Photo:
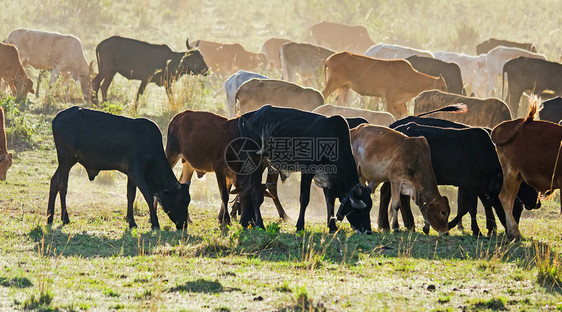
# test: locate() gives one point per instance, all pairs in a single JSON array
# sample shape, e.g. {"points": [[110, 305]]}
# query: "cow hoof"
{"points": [[396, 230], [426, 230], [156, 227], [132, 225]]}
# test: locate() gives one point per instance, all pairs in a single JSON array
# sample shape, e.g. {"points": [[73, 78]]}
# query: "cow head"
{"points": [[356, 207], [440, 84], [436, 213], [85, 78], [175, 202], [5, 163], [23, 86], [193, 63]]}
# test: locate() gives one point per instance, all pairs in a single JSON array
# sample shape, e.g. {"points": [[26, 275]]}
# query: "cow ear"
{"points": [[187, 44]]}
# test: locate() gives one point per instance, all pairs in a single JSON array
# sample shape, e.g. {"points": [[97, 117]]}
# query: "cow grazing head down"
{"points": [[440, 84], [23, 86], [356, 207], [5, 163], [175, 202], [436, 213]]}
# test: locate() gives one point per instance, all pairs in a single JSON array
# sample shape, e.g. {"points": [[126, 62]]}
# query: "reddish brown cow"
{"points": [[200, 140], [228, 57], [396, 80], [5, 157], [529, 152], [11, 71]]}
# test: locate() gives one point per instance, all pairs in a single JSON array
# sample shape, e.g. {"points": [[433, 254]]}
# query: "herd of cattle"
{"points": [[453, 139]]}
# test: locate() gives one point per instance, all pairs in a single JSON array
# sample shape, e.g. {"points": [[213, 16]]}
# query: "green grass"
{"points": [[97, 264]]}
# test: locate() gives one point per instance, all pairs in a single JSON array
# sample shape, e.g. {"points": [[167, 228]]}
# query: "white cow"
{"points": [[60, 53], [498, 56], [232, 84], [390, 51], [473, 69]]}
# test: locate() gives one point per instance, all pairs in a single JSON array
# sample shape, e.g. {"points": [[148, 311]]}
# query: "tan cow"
{"points": [[373, 117], [11, 71], [480, 112], [226, 58], [60, 53], [255, 93], [341, 37], [270, 49], [5, 157], [383, 154], [396, 80], [305, 59]]}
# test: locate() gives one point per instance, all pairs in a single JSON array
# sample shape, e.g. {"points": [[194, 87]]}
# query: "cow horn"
{"points": [[187, 44], [357, 204], [371, 185]]}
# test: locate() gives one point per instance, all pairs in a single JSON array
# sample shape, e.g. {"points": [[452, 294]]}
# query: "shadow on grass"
{"points": [[308, 249], [200, 286], [15, 282]]}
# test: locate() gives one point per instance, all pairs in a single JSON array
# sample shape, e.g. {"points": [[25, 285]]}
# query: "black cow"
{"points": [[463, 157], [101, 141], [143, 61], [551, 110], [489, 44], [434, 67], [531, 75], [319, 147]]}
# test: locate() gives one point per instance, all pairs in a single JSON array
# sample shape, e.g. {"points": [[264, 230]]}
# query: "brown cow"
{"points": [[200, 140], [255, 93], [529, 152], [341, 37], [305, 59], [373, 117], [5, 157], [270, 50], [396, 80], [383, 154], [480, 112], [228, 57], [11, 71]]}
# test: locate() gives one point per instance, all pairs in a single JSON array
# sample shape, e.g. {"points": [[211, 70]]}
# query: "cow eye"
{"points": [[444, 213]]}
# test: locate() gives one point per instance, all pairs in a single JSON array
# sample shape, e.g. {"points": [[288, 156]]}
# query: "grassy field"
{"points": [[97, 264]]}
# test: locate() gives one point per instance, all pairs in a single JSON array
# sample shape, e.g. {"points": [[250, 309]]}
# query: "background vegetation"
{"points": [[96, 263]]}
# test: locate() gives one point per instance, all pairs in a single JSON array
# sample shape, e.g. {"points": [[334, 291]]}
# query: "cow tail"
{"points": [[453, 108], [533, 111]]}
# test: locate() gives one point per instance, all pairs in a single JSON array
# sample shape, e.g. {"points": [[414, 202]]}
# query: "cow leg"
{"points": [[224, 218], [139, 93], [395, 204], [54, 73], [406, 211], [511, 184], [59, 184], [306, 181], [39, 77], [470, 201], [96, 86], [330, 201], [149, 197], [271, 185], [384, 201], [257, 200], [490, 218], [396, 107], [131, 193]]}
